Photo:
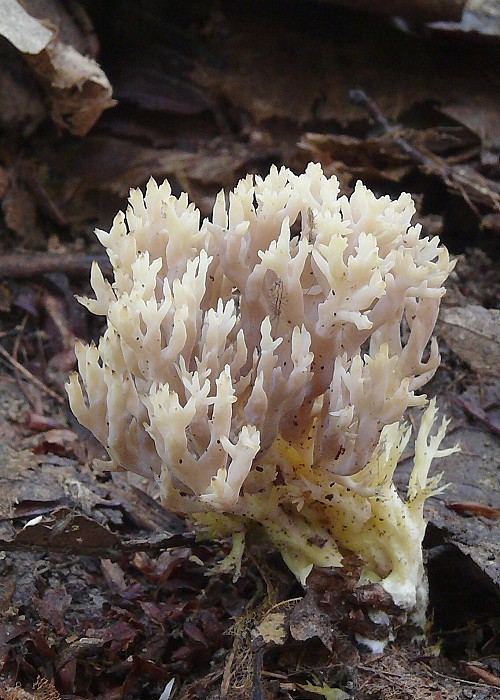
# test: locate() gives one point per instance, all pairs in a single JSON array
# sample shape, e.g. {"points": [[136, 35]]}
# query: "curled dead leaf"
{"points": [[77, 88]]}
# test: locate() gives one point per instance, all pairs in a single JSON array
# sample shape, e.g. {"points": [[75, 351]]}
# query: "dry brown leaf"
{"points": [[19, 211], [479, 114], [473, 333], [272, 628], [77, 88]]}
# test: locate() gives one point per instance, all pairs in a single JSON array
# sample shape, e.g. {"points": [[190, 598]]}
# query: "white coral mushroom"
{"points": [[254, 364]]}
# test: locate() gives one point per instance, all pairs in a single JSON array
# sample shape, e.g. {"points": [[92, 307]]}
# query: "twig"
{"points": [[41, 196], [383, 672], [20, 331], [478, 413], [27, 374], [469, 508], [257, 687], [457, 680], [28, 265], [35, 404], [473, 187], [481, 674], [15, 351], [228, 667], [151, 545]]}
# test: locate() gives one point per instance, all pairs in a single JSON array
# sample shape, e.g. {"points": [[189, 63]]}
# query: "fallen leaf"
{"points": [[350, 158], [479, 114], [118, 634], [19, 210], [22, 30], [470, 508], [194, 633], [325, 691], [113, 575], [76, 87], [473, 333], [52, 607], [61, 442], [272, 628], [481, 674], [66, 531]]}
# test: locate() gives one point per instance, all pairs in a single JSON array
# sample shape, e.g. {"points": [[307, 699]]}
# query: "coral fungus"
{"points": [[253, 365]]}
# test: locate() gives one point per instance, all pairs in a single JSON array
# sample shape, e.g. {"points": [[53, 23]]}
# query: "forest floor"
{"points": [[103, 594]]}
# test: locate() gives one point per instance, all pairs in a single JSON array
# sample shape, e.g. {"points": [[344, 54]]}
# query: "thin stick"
{"points": [[27, 265], [478, 413], [15, 352], [27, 374]]}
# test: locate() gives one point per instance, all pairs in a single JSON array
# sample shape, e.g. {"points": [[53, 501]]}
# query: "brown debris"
{"points": [[473, 333], [473, 187], [28, 375], [415, 10], [32, 265], [57, 534], [336, 608], [471, 508], [476, 672], [473, 408], [77, 89], [42, 690], [19, 208]]}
